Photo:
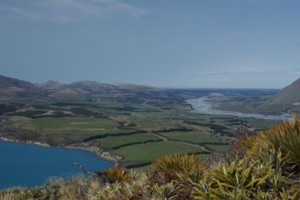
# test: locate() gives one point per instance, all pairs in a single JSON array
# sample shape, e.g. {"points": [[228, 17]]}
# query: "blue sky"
{"points": [[163, 43]]}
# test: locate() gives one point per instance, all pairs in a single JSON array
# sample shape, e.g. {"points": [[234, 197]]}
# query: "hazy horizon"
{"points": [[165, 44], [116, 83]]}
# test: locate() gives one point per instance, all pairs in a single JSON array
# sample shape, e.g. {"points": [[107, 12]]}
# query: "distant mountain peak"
{"points": [[51, 85], [133, 86]]}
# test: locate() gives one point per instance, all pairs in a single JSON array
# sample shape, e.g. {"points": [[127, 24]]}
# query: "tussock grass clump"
{"points": [[117, 175], [78, 187], [175, 167], [138, 188], [180, 170], [242, 146], [19, 193], [247, 179], [284, 137]]}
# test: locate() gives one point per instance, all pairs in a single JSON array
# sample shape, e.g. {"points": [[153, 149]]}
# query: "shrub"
{"points": [[21, 194], [284, 137], [180, 170], [242, 146], [117, 175], [176, 167]]}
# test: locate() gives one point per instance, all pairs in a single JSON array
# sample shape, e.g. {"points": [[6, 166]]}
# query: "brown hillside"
{"points": [[11, 87], [287, 99]]}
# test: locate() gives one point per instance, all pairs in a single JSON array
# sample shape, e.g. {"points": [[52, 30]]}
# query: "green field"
{"points": [[75, 125], [76, 122], [221, 148], [113, 142], [195, 137], [145, 123], [151, 151]]}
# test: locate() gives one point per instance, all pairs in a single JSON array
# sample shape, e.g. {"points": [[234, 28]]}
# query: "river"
{"points": [[203, 106], [30, 165]]}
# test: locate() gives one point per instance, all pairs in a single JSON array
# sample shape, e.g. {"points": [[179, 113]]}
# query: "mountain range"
{"points": [[14, 88], [286, 100]]}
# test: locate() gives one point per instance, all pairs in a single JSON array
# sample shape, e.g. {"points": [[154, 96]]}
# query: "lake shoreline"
{"points": [[80, 146]]}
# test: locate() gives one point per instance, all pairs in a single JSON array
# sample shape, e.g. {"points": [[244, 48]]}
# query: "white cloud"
{"points": [[10, 10], [68, 10]]}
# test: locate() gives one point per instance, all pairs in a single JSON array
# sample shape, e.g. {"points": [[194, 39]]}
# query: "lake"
{"points": [[30, 165]]}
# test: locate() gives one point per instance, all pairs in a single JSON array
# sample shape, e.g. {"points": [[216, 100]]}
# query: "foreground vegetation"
{"points": [[263, 166]]}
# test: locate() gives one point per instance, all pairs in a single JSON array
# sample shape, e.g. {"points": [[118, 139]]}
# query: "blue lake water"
{"points": [[30, 165]]}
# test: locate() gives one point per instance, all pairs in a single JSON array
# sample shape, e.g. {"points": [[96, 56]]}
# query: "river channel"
{"points": [[203, 106]]}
